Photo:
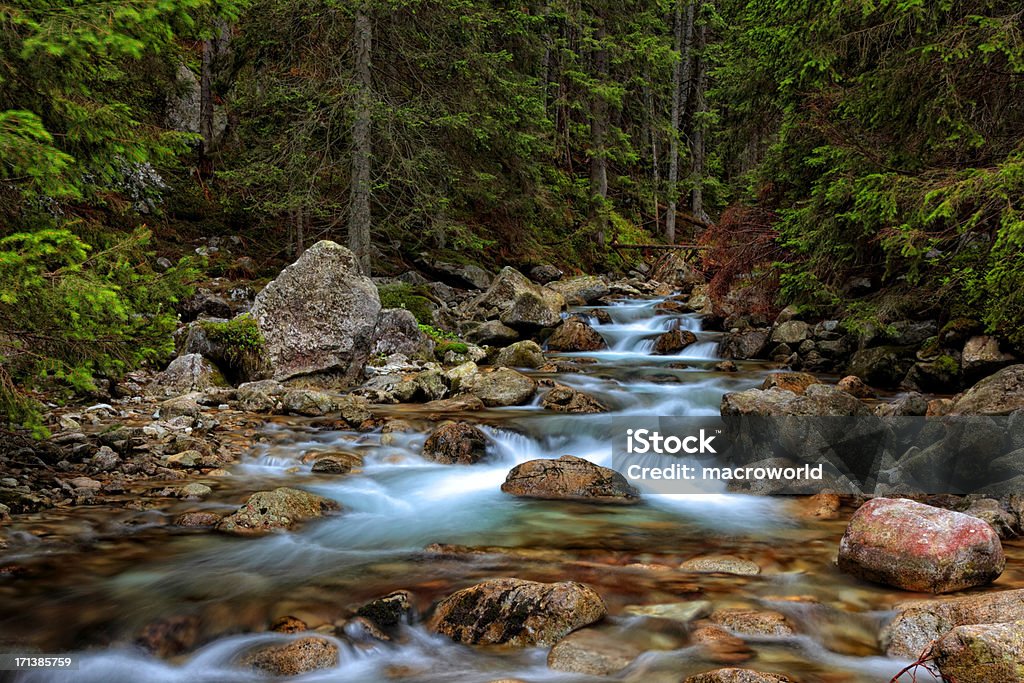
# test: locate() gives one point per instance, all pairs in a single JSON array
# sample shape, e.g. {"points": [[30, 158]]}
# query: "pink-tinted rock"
{"points": [[919, 547]]}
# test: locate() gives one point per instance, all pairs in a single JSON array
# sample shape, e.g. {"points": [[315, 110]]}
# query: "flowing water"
{"points": [[103, 575]]}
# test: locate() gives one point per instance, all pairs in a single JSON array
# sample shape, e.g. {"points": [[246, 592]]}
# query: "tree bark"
{"points": [[359, 203], [598, 135], [683, 36]]}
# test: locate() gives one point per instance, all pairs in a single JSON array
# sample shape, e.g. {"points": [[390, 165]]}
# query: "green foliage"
{"points": [[77, 144], [412, 299], [438, 335], [444, 346], [889, 138], [69, 312]]}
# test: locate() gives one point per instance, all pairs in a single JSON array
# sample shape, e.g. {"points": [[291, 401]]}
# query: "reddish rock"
{"points": [[855, 386], [575, 335], [672, 342], [569, 478], [919, 547]]}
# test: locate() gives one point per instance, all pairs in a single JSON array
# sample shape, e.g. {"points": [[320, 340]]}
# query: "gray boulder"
{"points": [[503, 387], [519, 303], [398, 332], [998, 394], [318, 315], [584, 289], [189, 373]]}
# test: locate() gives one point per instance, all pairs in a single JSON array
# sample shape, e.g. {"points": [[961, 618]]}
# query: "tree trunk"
{"points": [[359, 204], [652, 134], [683, 36], [206, 105], [598, 135], [700, 102]]}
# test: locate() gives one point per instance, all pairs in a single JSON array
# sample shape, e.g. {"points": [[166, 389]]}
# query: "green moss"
{"points": [[947, 364], [445, 346], [238, 343], [412, 299]]}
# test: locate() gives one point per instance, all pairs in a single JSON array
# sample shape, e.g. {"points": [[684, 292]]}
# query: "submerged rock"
{"points": [[455, 443], [569, 478], [919, 547], [753, 622], [593, 652], [297, 657], [336, 463], [737, 676], [721, 564], [318, 315], [277, 510], [516, 612]]}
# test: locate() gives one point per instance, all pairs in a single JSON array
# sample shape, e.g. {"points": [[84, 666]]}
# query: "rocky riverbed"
{"points": [[359, 498]]}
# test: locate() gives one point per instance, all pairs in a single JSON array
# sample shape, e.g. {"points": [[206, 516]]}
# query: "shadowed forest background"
{"points": [[863, 158]]}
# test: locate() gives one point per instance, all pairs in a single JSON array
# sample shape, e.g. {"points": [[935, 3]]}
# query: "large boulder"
{"points": [[569, 478], [743, 344], [919, 622], [297, 657], [398, 332], [982, 653], [189, 373], [455, 443], [817, 399], [576, 335], [919, 547], [503, 387], [318, 315], [791, 332], [519, 303], [998, 394], [516, 612], [277, 510], [581, 290]]}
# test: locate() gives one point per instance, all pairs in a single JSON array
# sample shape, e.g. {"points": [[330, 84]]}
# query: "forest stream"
{"points": [[100, 577]]}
